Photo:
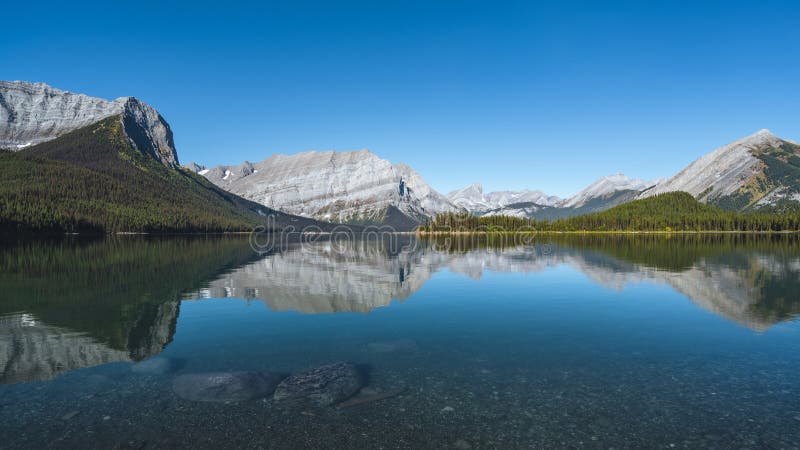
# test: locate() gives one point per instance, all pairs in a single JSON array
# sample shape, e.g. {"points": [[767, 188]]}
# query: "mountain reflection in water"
{"points": [[753, 281], [72, 303]]}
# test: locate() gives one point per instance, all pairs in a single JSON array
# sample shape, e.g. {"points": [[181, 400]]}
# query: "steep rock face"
{"points": [[148, 131], [354, 186], [755, 171], [32, 113]]}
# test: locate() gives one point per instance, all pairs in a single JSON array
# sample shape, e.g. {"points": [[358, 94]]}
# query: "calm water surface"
{"points": [[606, 342]]}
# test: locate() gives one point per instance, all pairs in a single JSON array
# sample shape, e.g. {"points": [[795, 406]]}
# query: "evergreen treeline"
{"points": [[662, 251], [93, 180], [673, 211]]}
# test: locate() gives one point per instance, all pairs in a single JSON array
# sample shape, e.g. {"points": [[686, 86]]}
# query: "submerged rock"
{"points": [[323, 386], [225, 386], [157, 366]]}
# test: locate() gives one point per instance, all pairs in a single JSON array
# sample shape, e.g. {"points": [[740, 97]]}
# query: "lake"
{"points": [[463, 342]]}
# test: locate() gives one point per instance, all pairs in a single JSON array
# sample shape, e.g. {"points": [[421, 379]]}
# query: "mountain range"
{"points": [[760, 172], [606, 192], [74, 162]]}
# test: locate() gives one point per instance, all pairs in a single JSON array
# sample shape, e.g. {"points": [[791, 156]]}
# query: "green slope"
{"points": [[92, 180], [675, 211]]}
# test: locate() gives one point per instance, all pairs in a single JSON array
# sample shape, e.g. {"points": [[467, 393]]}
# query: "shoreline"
{"points": [[402, 233], [466, 233]]}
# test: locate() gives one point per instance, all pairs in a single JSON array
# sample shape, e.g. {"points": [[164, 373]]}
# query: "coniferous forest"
{"points": [[674, 211]]}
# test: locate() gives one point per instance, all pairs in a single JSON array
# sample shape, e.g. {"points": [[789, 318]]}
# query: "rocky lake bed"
{"points": [[483, 402]]}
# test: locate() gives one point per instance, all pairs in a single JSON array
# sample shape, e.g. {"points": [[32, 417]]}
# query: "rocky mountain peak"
{"points": [[727, 172], [606, 185], [763, 132], [476, 187], [759, 139], [194, 167], [31, 113], [148, 131]]}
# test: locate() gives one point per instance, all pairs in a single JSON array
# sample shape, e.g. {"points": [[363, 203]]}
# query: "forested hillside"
{"points": [[93, 180]]}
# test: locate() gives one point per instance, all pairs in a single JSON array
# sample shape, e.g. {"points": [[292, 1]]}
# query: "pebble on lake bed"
{"points": [[323, 385], [225, 386]]}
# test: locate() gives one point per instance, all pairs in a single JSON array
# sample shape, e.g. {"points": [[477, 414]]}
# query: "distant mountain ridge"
{"points": [[755, 173], [604, 193], [472, 198]]}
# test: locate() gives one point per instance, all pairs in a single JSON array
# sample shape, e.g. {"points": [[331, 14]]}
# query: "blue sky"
{"points": [[540, 95]]}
